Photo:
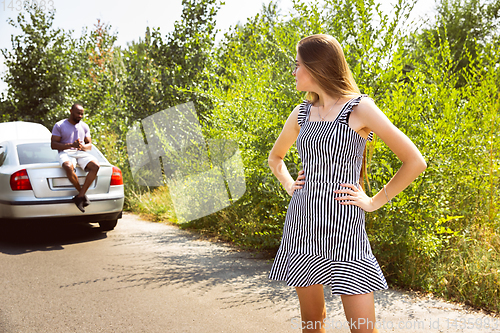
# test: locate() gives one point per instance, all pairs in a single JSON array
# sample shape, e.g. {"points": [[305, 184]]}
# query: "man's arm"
{"points": [[87, 145], [55, 143]]}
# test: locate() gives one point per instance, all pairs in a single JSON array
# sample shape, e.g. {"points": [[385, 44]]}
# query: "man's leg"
{"points": [[70, 173], [67, 165], [92, 168]]}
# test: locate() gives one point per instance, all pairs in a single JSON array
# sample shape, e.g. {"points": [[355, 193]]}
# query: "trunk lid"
{"points": [[50, 181]]}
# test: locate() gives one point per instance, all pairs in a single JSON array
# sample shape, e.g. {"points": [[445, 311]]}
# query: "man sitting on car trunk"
{"points": [[71, 137]]}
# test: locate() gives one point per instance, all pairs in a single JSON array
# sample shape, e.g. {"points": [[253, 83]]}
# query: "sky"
{"points": [[131, 17]]}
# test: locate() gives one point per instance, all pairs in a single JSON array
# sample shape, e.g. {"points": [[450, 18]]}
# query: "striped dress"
{"points": [[323, 241]]}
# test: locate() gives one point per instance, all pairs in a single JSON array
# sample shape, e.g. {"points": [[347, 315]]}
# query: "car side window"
{"points": [[3, 155]]}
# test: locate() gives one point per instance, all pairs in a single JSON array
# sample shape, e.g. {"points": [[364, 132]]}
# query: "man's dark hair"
{"points": [[73, 107]]}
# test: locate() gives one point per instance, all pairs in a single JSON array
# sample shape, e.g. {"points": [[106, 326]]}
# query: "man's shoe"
{"points": [[86, 202], [79, 202]]}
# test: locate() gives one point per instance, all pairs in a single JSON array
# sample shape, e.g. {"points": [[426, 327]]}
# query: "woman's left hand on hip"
{"points": [[356, 196]]}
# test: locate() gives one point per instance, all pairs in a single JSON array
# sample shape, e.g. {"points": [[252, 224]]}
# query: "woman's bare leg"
{"points": [[360, 312], [312, 308]]}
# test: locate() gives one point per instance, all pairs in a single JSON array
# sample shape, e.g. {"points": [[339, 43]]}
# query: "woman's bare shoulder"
{"points": [[367, 106], [294, 114]]}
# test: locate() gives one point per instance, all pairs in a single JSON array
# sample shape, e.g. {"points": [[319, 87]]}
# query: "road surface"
{"points": [[153, 277]]}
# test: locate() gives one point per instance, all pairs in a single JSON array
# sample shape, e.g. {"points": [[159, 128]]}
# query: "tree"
{"points": [[38, 69], [142, 86], [99, 72], [467, 25], [185, 56]]}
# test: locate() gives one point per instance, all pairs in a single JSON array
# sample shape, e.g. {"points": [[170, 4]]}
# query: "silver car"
{"points": [[34, 186]]}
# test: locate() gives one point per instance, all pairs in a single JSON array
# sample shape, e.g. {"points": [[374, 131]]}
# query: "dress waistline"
{"points": [[323, 182]]}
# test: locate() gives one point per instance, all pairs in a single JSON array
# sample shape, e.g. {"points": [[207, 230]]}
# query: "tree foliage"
{"points": [[468, 26], [38, 68]]}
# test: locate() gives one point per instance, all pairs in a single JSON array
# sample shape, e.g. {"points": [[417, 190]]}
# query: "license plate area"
{"points": [[63, 183]]}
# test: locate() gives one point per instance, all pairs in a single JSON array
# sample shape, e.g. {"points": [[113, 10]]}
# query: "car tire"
{"points": [[108, 225]]}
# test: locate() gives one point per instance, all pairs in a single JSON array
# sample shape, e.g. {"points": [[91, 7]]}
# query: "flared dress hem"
{"points": [[344, 277]]}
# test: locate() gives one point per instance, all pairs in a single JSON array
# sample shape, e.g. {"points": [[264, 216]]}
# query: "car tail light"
{"points": [[116, 177], [20, 181]]}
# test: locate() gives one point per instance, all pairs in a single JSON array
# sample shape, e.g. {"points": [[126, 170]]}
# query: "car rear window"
{"points": [[41, 152]]}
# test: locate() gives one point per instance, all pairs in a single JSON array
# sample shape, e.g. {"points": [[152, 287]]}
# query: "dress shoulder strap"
{"points": [[344, 117], [353, 102], [302, 116]]}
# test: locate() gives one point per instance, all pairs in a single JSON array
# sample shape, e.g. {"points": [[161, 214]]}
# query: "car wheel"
{"points": [[108, 225]]}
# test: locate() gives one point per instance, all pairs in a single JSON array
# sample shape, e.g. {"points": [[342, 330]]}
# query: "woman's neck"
{"points": [[326, 101]]}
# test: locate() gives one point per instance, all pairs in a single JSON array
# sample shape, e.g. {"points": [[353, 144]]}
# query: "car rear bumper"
{"points": [[65, 219], [108, 208]]}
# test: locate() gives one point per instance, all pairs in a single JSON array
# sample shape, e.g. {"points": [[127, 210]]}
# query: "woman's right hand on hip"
{"points": [[297, 184]]}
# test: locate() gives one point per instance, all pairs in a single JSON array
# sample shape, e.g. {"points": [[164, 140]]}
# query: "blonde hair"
{"points": [[324, 59]]}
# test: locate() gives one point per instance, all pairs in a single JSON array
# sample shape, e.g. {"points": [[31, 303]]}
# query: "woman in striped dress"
{"points": [[324, 239]]}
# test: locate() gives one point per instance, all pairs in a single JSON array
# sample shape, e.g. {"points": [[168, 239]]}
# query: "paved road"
{"points": [[151, 277]]}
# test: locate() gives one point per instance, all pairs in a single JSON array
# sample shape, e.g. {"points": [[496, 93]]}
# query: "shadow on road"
{"points": [[20, 238], [184, 261]]}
